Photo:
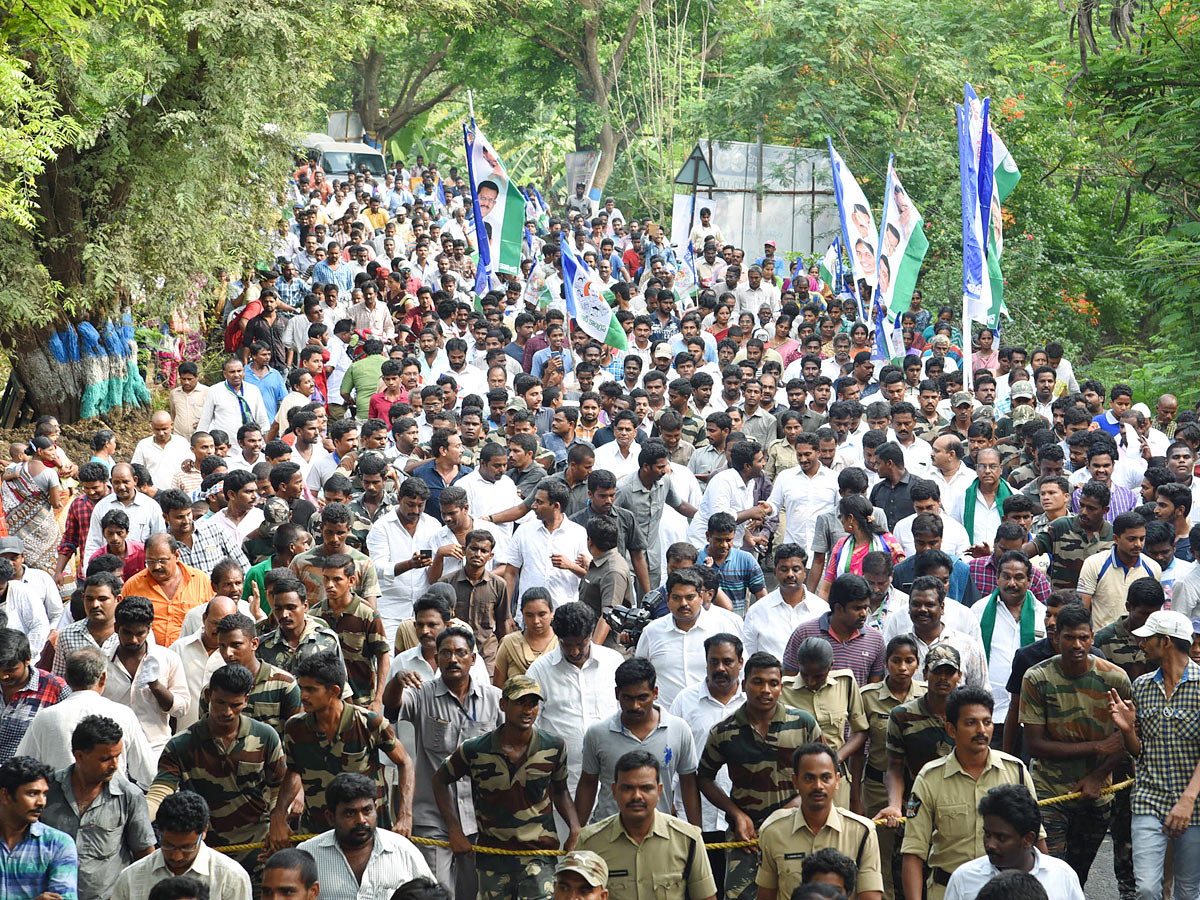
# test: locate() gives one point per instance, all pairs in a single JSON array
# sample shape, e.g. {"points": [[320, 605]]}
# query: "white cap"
{"points": [[1167, 623]]}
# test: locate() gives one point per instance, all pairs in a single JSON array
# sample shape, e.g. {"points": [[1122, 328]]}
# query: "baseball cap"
{"points": [[521, 686], [590, 865], [517, 403], [1023, 414], [663, 351], [1167, 623], [1022, 390], [1195, 626], [943, 655], [770, 244], [11, 545], [984, 413], [960, 398], [275, 512]]}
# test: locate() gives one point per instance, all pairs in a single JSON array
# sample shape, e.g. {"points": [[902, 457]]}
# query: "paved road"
{"points": [[1102, 884]]}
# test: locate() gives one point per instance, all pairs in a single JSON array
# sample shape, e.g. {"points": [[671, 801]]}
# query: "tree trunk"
{"points": [[51, 388], [609, 146], [366, 91]]}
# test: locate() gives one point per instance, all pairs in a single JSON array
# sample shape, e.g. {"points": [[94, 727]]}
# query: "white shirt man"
{"points": [[389, 543], [132, 691], [42, 588], [1006, 641], [678, 656], [575, 698], [954, 536], [530, 550], [1058, 878], [955, 616], [229, 410], [224, 878], [918, 457], [609, 456], [27, 615], [48, 738], [163, 461], [953, 485], [727, 492], [771, 621], [487, 497], [803, 499], [696, 705]]}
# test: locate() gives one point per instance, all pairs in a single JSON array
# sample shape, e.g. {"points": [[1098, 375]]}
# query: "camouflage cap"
{"points": [[521, 686], [275, 512], [1022, 390], [943, 655], [960, 398], [984, 413], [1024, 414], [517, 403], [590, 865]]}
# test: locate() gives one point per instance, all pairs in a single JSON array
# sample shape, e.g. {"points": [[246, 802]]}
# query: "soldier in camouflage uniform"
{"points": [[1064, 701], [298, 634], [372, 499], [518, 777], [230, 760], [359, 629], [337, 524], [331, 737], [1072, 539], [756, 744], [1121, 647], [274, 697]]}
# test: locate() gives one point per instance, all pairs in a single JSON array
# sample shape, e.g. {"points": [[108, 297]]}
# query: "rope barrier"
{"points": [[719, 845]]}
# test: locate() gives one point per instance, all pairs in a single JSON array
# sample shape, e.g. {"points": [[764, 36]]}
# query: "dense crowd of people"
{"points": [[423, 563]]}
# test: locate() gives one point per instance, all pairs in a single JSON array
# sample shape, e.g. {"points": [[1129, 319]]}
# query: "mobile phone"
{"points": [[425, 554]]}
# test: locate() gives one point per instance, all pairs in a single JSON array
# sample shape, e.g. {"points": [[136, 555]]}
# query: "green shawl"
{"points": [[987, 622], [1003, 492]]}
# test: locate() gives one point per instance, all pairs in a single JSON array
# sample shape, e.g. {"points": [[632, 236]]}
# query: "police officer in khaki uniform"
{"points": [[791, 834], [943, 829], [581, 875], [650, 855], [833, 699]]}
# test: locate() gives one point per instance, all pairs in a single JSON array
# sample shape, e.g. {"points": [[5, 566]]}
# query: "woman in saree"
{"points": [[31, 496]]}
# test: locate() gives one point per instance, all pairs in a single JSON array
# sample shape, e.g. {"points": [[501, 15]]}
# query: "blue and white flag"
{"points": [[858, 225], [585, 300]]}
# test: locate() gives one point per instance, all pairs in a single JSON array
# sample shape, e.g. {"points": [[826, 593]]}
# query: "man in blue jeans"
{"points": [[1161, 727]]}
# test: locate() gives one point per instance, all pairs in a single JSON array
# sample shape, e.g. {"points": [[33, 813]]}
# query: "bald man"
{"points": [[164, 452], [145, 516], [195, 649]]}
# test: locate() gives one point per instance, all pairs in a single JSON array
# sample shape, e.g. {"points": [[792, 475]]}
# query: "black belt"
{"points": [[940, 876], [869, 771]]}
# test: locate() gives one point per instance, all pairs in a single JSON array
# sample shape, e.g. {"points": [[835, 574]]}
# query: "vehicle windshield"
{"points": [[349, 162]]}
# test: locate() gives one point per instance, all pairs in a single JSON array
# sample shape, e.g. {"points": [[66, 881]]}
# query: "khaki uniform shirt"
{"points": [[944, 827], [669, 864], [785, 839], [838, 709]]}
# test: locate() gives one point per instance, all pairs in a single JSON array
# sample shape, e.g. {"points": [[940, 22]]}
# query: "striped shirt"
{"points": [[45, 861], [862, 654], [394, 861], [740, 572]]}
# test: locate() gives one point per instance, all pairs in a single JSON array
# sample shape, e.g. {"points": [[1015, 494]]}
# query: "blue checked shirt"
{"points": [[45, 861], [1169, 729]]}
